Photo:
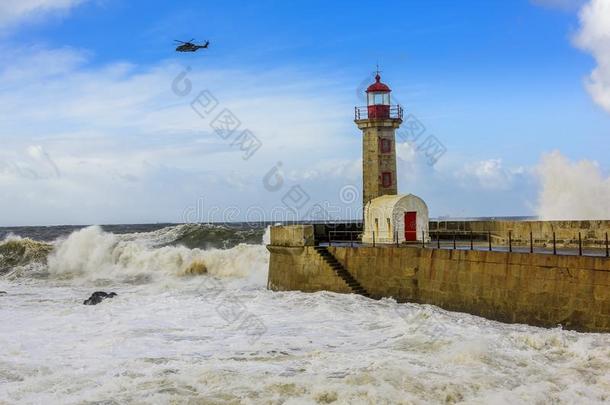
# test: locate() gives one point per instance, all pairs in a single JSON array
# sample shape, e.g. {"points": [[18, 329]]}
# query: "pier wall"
{"points": [[536, 289]]}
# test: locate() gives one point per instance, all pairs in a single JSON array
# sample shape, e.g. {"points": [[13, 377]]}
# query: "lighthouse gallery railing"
{"points": [[362, 113]]}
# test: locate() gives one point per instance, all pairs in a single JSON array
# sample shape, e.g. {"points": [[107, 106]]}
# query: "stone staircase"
{"points": [[341, 271]]}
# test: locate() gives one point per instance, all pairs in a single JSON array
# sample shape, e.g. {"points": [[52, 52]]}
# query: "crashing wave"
{"points": [[215, 236], [18, 252], [90, 254], [202, 236]]}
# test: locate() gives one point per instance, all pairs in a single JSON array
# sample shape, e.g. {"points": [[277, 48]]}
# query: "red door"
{"points": [[411, 226]]}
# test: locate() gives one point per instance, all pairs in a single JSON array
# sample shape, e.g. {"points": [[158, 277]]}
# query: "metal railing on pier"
{"points": [[353, 238], [574, 244]]}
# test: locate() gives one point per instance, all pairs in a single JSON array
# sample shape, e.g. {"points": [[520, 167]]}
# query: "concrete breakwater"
{"points": [[537, 289]]}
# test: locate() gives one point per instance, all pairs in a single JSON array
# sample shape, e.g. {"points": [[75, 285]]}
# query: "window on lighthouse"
{"points": [[386, 179], [379, 98], [386, 146]]}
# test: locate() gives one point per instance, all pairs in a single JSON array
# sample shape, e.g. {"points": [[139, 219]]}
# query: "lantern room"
{"points": [[378, 99]]}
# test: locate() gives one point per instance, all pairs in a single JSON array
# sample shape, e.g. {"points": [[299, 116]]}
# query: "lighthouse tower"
{"points": [[388, 217], [378, 122]]}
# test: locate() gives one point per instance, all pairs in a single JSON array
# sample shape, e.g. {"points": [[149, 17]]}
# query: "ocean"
{"points": [[194, 323]]}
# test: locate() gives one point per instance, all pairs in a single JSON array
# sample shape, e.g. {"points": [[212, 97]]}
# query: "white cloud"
{"points": [[406, 152], [347, 169], [34, 163], [490, 174], [594, 37], [23, 65], [572, 190], [13, 11]]}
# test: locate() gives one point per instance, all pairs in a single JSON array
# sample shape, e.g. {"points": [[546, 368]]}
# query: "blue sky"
{"points": [[92, 132]]}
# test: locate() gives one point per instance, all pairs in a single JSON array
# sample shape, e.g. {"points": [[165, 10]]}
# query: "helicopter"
{"points": [[189, 46]]}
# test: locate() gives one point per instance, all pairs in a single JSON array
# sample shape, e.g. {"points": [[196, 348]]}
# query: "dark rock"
{"points": [[98, 297], [3, 292]]}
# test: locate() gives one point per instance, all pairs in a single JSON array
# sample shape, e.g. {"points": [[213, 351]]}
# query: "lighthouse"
{"points": [[378, 122], [388, 216]]}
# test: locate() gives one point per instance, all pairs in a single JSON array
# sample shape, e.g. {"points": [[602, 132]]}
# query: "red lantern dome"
{"points": [[378, 86]]}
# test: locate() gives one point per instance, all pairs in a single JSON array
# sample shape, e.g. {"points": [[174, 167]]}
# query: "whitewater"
{"points": [[176, 333]]}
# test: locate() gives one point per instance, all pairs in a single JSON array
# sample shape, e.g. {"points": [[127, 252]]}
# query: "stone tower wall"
{"points": [[374, 162]]}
